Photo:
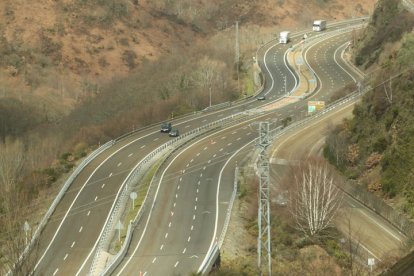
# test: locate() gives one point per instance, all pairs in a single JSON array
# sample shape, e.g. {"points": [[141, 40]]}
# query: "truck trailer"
{"points": [[319, 25], [284, 37]]}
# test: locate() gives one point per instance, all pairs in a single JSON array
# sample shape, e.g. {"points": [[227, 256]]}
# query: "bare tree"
{"points": [[316, 197]]}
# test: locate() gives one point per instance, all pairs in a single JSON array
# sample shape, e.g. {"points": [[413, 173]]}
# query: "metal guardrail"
{"points": [[60, 195]]}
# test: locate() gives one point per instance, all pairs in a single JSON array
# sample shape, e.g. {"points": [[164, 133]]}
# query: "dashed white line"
{"points": [[169, 224], [234, 132], [181, 179], [191, 161], [199, 182], [195, 207], [153, 261], [205, 148], [73, 244], [214, 155], [96, 198], [174, 204], [89, 212], [224, 137], [66, 256], [56, 271], [103, 185], [80, 229], [229, 144], [110, 174], [197, 190], [129, 155], [119, 164], [156, 139], [178, 187], [189, 238], [192, 227], [193, 217], [204, 168], [221, 149], [187, 126], [176, 264], [166, 235], [238, 139], [162, 246], [142, 147], [198, 154], [176, 195], [209, 161], [201, 174], [184, 250], [196, 199]]}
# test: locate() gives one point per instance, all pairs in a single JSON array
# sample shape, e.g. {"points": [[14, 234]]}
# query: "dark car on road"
{"points": [[166, 127], [174, 133]]}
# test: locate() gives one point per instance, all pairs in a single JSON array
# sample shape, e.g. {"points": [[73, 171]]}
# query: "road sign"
{"points": [[315, 106], [133, 196]]}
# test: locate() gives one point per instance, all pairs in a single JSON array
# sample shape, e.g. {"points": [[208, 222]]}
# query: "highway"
{"points": [[69, 239], [194, 195]]}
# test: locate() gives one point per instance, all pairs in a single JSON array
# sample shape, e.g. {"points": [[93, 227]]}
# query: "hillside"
{"points": [[376, 147]]}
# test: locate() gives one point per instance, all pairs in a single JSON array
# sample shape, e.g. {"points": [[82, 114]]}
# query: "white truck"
{"points": [[319, 25], [284, 37]]}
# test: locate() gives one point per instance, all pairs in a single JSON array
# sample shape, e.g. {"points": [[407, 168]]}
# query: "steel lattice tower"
{"points": [[264, 251]]}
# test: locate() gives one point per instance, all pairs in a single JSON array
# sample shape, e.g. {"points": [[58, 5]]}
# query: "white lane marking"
{"points": [[205, 148], [153, 261], [192, 227], [185, 249], [145, 273], [166, 235], [197, 190], [103, 185], [221, 149], [195, 207], [119, 164], [176, 264], [204, 168], [224, 137], [201, 174], [80, 229], [172, 213], [73, 244], [156, 139], [176, 195], [89, 212], [189, 238], [96, 198], [196, 199], [198, 154], [181, 179], [129, 155], [199, 182], [178, 187], [183, 171], [187, 126], [56, 271], [110, 174], [162, 246], [238, 139], [66, 256], [248, 133], [209, 161], [205, 120], [214, 155], [188, 165], [169, 224], [234, 132], [174, 204], [142, 147], [229, 144], [193, 217], [191, 161]]}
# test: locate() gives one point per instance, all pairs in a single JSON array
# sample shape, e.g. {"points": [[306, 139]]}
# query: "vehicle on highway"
{"points": [[174, 133], [261, 98], [284, 37], [319, 25], [166, 127]]}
